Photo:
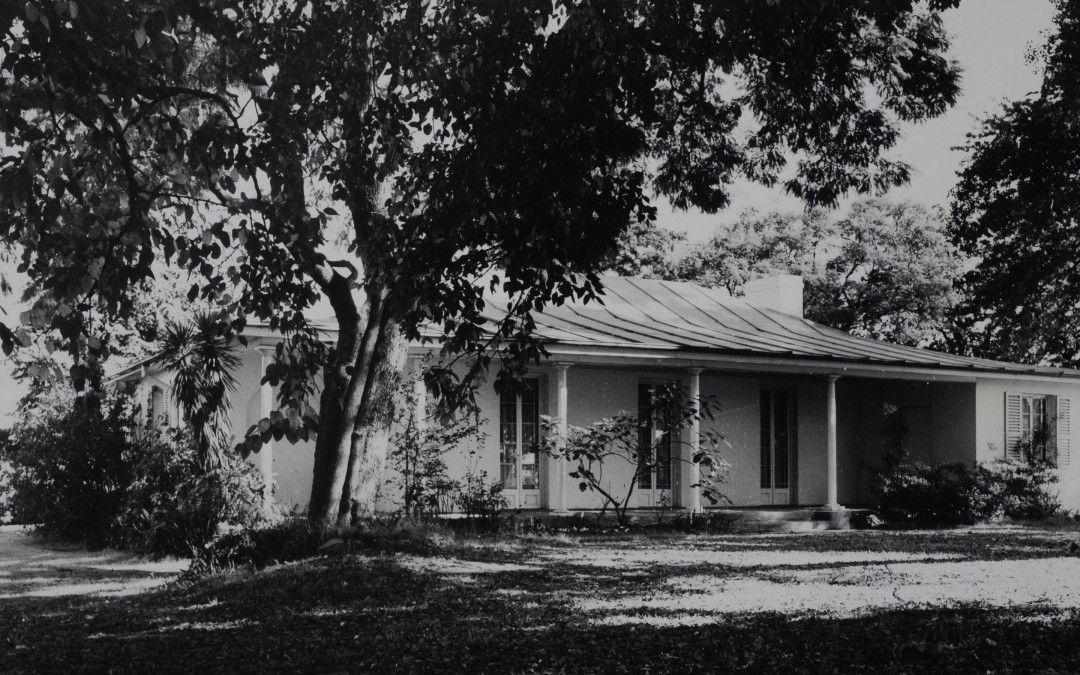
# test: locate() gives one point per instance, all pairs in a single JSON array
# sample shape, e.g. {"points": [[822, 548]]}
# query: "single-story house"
{"points": [[799, 403]]}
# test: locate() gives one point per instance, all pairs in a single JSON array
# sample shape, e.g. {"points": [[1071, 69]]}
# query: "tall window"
{"points": [[519, 436], [1034, 426], [654, 441], [156, 414], [775, 439]]}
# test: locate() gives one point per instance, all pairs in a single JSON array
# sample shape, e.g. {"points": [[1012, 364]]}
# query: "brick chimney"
{"points": [[780, 292]]}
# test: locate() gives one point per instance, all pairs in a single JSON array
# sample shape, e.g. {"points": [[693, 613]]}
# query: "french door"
{"points": [[654, 451], [777, 446], [519, 436]]}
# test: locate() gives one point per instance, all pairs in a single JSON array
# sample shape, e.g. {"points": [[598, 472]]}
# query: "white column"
{"points": [[695, 440], [420, 399], [266, 453], [561, 399], [830, 442]]}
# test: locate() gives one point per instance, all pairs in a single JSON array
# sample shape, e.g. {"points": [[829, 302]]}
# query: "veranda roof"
{"points": [[646, 316], [649, 314]]}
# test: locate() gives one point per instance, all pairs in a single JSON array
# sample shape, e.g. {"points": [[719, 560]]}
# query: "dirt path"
{"points": [[32, 567]]}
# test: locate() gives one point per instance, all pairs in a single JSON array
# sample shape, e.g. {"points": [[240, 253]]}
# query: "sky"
{"points": [[990, 39]]}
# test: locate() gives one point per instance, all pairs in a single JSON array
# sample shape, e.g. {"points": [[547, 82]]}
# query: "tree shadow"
{"points": [[518, 611]]}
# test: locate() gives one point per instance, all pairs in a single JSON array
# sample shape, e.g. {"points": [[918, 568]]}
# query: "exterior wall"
{"points": [[739, 421], [965, 424], [949, 419], [990, 427], [597, 392]]}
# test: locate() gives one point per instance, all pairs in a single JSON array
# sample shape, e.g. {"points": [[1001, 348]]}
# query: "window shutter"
{"points": [[166, 403], [1064, 431], [1012, 426]]}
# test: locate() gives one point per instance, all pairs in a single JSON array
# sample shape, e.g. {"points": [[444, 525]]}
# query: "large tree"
{"points": [[884, 270], [454, 141], [1016, 212]]}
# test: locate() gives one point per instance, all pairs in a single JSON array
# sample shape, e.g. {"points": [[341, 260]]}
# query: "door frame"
{"points": [[518, 497], [773, 496], [649, 497]]}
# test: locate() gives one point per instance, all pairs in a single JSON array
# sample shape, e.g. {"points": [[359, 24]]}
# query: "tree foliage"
{"points": [[1016, 212], [202, 363], [447, 139], [884, 270], [644, 250]]}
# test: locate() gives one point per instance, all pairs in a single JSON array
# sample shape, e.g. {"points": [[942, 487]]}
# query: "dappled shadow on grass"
{"points": [[506, 608], [31, 566], [376, 614]]}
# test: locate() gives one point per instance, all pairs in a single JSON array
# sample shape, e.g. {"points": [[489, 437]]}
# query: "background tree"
{"points": [[450, 140], [1016, 212], [644, 250], [884, 270]]}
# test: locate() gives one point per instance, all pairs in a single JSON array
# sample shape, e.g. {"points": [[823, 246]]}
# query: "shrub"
{"points": [[296, 538], [172, 507], [83, 471], [1022, 490], [918, 494], [617, 440], [480, 497], [912, 493], [68, 471]]}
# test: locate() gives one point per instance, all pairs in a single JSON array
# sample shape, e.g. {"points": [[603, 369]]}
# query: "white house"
{"points": [[801, 404]]}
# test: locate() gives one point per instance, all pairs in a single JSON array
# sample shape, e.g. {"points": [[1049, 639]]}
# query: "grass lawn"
{"points": [[982, 599]]}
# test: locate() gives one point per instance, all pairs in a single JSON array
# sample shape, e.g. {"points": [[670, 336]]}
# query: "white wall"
{"points": [[990, 427], [966, 420]]}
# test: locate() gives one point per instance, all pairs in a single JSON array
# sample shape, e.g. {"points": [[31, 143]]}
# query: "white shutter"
{"points": [[1064, 431], [148, 409], [1013, 430], [166, 407]]}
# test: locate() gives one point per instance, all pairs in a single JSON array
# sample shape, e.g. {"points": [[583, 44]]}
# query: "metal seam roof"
{"points": [[642, 312]]}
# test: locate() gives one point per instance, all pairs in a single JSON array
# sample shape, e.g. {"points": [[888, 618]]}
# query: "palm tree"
{"points": [[202, 360]]}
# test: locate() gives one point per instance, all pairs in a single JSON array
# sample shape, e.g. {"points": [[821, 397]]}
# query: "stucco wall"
{"points": [[990, 427], [966, 424], [949, 417]]}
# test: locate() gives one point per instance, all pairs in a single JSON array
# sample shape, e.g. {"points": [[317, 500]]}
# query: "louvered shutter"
{"points": [[1013, 425], [148, 412], [1064, 431], [166, 407]]}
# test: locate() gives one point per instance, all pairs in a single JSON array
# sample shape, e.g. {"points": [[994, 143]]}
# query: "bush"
{"points": [[912, 493], [296, 538], [479, 497], [68, 471], [918, 494], [1024, 490], [84, 472], [173, 508]]}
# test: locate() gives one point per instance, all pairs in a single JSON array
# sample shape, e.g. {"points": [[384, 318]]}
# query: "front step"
{"points": [[786, 520]]}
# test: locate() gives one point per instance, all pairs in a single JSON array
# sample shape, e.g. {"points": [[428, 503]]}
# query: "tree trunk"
{"points": [[357, 407], [371, 435]]}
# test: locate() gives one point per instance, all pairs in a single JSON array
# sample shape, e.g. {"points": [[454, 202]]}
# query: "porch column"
{"points": [[266, 454], [420, 399], [695, 440], [831, 502], [561, 392]]}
